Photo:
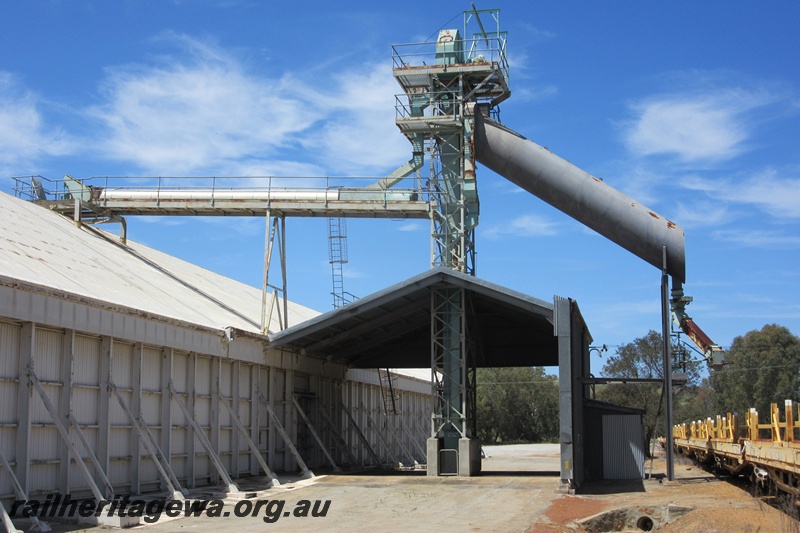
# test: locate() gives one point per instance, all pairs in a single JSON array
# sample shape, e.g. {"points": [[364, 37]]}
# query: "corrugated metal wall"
{"points": [[623, 447], [79, 373]]}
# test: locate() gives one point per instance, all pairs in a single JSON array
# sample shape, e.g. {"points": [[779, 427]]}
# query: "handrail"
{"points": [[41, 188], [476, 51]]}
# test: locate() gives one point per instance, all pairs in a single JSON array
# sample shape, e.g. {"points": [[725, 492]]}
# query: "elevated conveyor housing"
{"points": [[582, 196], [223, 197]]}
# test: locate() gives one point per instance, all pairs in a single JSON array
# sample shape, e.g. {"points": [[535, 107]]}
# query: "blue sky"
{"points": [[692, 108]]}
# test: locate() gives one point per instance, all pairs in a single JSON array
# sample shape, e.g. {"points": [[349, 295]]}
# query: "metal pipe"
{"points": [[582, 196], [212, 195]]}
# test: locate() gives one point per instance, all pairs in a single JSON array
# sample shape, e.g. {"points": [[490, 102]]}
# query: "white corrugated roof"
{"points": [[43, 248], [423, 374]]}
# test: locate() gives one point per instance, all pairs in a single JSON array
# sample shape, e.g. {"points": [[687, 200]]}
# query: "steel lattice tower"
{"points": [[445, 83]]}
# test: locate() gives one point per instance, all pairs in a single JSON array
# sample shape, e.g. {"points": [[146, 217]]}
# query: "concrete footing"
{"points": [[464, 461]]}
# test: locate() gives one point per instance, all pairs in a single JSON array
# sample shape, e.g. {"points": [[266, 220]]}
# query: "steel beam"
{"points": [[6, 521], [201, 436], [383, 440], [337, 436], [399, 439], [361, 437], [156, 455], [413, 441], [320, 208], [62, 429], [288, 441], [22, 495], [252, 445]]}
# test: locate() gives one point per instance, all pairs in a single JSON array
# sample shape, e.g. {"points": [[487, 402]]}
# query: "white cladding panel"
{"points": [[391, 438], [149, 321]]}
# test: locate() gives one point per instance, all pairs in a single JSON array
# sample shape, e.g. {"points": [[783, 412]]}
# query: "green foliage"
{"points": [[517, 405], [695, 402], [643, 359], [764, 368]]}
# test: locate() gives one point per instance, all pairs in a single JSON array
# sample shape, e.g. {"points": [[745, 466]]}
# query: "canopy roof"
{"points": [[392, 328]]}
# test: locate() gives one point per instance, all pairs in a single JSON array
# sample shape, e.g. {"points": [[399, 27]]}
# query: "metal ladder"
{"points": [[387, 391], [337, 256]]}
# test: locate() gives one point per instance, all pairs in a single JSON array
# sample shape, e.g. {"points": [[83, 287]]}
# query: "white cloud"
{"points": [[24, 135], [523, 226], [776, 192], [757, 238], [638, 181], [535, 93], [359, 133], [413, 226], [694, 127], [702, 213], [162, 221], [200, 112]]}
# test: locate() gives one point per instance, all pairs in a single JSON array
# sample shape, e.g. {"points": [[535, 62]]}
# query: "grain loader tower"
{"points": [[443, 83], [448, 110]]}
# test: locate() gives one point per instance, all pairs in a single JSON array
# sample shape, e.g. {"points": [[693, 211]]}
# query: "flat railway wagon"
{"points": [[769, 453]]}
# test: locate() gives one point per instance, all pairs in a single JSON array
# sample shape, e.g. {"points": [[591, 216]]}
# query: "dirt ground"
{"points": [[517, 491]]}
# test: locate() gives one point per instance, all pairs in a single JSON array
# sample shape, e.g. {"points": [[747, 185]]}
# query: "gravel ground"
{"points": [[516, 492]]}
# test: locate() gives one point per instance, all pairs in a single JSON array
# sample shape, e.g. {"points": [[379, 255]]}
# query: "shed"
{"points": [[615, 447]]}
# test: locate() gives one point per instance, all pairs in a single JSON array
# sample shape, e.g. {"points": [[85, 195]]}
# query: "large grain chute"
{"points": [[582, 196]]}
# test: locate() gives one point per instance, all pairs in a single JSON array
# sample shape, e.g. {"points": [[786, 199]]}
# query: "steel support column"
{"points": [[453, 383], [191, 459], [65, 406], [136, 407], [667, 361], [234, 412], [167, 357], [27, 341], [104, 407], [213, 440], [275, 231]]}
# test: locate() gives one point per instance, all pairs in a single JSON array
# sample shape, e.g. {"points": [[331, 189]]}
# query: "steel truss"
{"points": [[465, 74], [453, 359]]}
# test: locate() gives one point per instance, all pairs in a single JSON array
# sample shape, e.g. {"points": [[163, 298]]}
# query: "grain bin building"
{"points": [[126, 370]]}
